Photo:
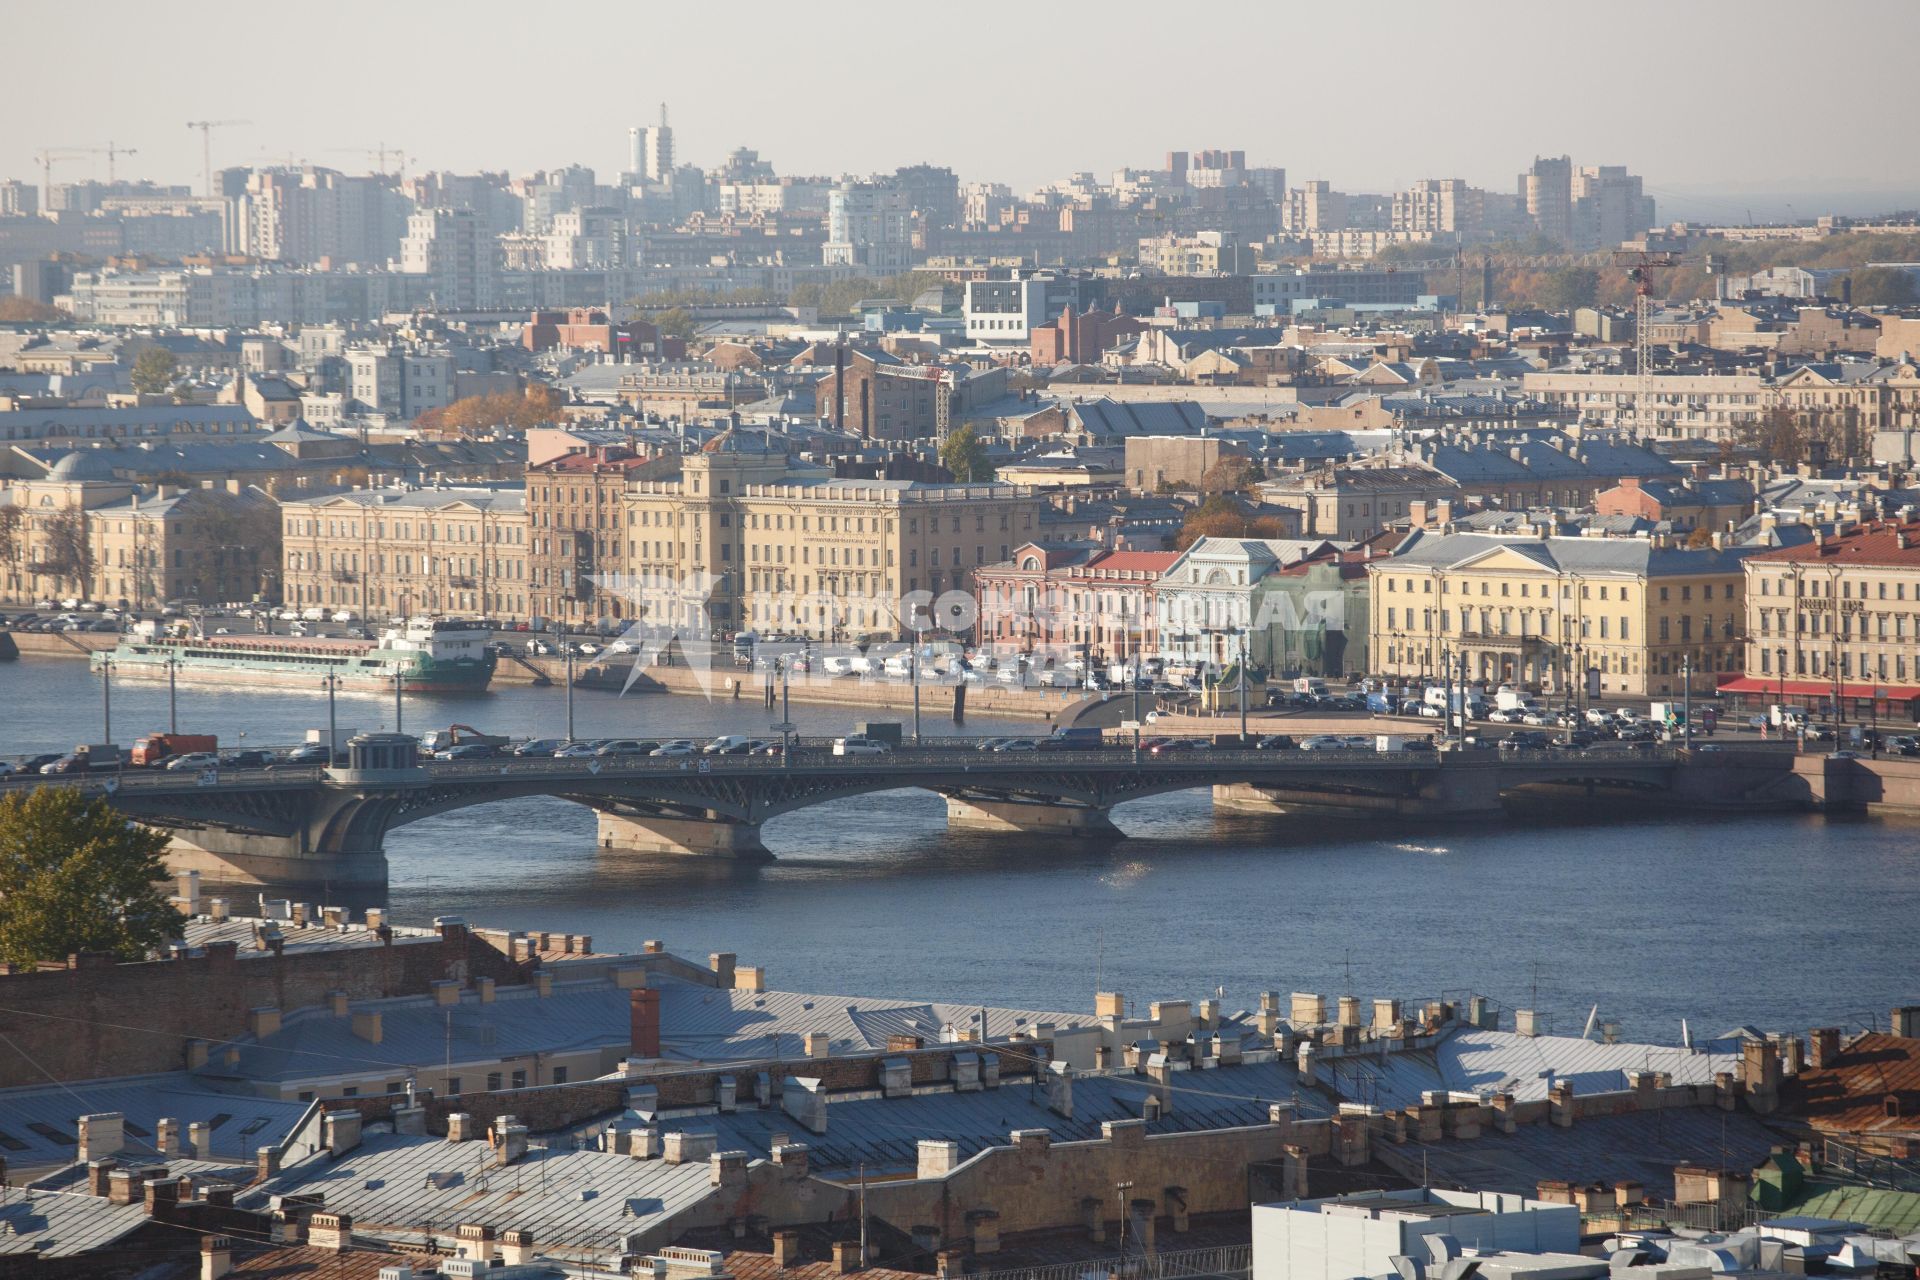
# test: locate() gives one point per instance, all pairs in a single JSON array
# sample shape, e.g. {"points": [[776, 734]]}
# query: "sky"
{"points": [[1715, 102]]}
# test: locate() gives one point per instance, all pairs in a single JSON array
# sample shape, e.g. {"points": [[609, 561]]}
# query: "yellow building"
{"points": [[1539, 611], [404, 551], [1837, 619], [762, 547]]}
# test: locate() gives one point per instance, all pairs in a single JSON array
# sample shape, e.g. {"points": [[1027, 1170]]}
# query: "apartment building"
{"points": [[1540, 611], [1683, 406], [404, 551], [575, 513], [739, 541], [1073, 595], [1837, 620]]}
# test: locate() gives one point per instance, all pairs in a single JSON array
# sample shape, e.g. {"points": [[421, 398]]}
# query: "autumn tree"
{"points": [[18, 310], [243, 533], [1221, 517], [11, 523], [1231, 474], [77, 876], [963, 454], [66, 553], [153, 371], [533, 406]]}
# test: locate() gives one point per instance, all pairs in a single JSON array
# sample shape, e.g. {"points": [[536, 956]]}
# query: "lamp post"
{"points": [[1243, 686], [332, 681], [397, 685], [1780, 661], [106, 700], [1878, 693], [1686, 699], [173, 695], [567, 649]]}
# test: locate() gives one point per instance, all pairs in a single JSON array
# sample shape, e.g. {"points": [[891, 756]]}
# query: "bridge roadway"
{"points": [[313, 825]]}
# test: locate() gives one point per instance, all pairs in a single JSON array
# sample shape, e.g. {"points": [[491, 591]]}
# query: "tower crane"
{"points": [[46, 156], [113, 153], [206, 128], [1642, 267], [378, 153]]}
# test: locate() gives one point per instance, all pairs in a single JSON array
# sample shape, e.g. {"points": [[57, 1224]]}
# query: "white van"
{"points": [[312, 613]]}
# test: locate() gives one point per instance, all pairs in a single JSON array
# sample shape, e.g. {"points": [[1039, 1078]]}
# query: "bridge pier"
{"points": [[1440, 794], [709, 837], [1030, 818], [230, 857]]}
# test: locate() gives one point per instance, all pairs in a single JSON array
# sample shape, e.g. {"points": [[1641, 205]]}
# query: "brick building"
{"points": [[1080, 337], [1072, 595], [882, 397], [574, 510]]}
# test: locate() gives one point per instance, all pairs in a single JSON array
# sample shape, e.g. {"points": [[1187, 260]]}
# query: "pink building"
{"points": [[1071, 595]]}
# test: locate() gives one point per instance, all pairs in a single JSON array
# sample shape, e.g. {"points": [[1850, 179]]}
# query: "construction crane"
{"points": [[113, 153], [46, 156], [1642, 266], [378, 154], [206, 128]]}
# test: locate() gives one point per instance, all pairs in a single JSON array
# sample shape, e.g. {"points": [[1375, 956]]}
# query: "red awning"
{"points": [[1819, 688]]}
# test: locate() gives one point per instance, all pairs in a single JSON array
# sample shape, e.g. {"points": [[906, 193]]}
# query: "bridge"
{"points": [[318, 825]]}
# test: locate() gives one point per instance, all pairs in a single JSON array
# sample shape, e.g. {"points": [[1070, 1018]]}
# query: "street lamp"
{"points": [[1686, 699], [332, 681], [1780, 660], [106, 699], [397, 685], [173, 690]]}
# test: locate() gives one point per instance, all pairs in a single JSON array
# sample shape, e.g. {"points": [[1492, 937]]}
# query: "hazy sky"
{"points": [[1760, 95]]}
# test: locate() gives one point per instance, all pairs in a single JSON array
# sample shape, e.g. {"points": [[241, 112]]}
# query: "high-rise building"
{"points": [[1547, 192], [18, 199], [650, 149], [932, 192], [869, 225], [456, 248], [1609, 206], [309, 214]]}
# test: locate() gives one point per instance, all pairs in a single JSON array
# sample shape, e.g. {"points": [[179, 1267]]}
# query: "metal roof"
{"points": [[400, 1188], [60, 1224], [1468, 1060], [37, 1124]]}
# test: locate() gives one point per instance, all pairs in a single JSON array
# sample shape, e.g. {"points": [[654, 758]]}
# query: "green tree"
{"points": [[675, 322], [77, 876], [965, 456], [1570, 287], [1883, 287], [153, 371]]}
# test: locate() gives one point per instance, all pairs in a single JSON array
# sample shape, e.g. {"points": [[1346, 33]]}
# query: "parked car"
{"points": [[539, 747], [73, 762], [1323, 742], [677, 747], [245, 760], [1276, 742], [1017, 744], [989, 744], [855, 745], [575, 750], [1524, 741], [468, 751], [311, 753]]}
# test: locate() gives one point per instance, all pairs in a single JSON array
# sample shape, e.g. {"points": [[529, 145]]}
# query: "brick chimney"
{"points": [[786, 1249], [216, 1257], [643, 1022], [1825, 1047], [332, 1232]]}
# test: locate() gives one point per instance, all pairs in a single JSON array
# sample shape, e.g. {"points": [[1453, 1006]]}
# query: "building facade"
{"points": [[1092, 601], [402, 552]]}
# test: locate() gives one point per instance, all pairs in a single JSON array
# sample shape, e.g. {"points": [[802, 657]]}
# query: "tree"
{"points": [[675, 322], [1883, 287], [11, 522], [532, 407], [965, 456], [153, 371], [77, 876], [1221, 517], [66, 553], [1231, 474], [17, 310], [1570, 287]]}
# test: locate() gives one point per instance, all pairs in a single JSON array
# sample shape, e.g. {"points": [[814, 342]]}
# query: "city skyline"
{"points": [[986, 133]]}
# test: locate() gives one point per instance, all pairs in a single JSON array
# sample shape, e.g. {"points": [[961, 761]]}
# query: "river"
{"points": [[1780, 921]]}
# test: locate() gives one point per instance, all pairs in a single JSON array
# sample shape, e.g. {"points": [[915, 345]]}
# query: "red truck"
{"points": [[158, 748]]}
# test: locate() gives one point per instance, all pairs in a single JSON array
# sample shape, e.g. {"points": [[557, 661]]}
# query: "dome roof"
{"points": [[83, 464]]}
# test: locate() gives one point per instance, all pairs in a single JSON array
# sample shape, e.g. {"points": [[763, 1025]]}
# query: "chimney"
{"points": [[99, 1177], [727, 1169], [1905, 1022], [460, 1126], [263, 1022], [1110, 1004], [445, 991], [123, 1187], [366, 1025], [543, 984], [818, 1044], [786, 1249], [846, 1256], [216, 908], [166, 1138], [337, 1003], [484, 988], [102, 1134], [1526, 1022], [516, 1247], [200, 1139], [216, 1257], [750, 978], [341, 1132], [722, 964], [1825, 1047], [508, 1138], [475, 1241], [332, 1232], [643, 1022]]}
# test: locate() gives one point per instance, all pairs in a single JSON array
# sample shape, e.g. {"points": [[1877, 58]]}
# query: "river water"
{"points": [[1780, 921]]}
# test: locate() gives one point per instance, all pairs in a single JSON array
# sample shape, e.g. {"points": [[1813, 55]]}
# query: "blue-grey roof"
{"points": [[37, 1122], [1110, 418], [1628, 556], [882, 1133], [1643, 1147], [1470, 1060]]}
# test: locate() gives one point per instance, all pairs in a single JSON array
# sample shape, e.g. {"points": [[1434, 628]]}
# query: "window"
{"points": [[520, 1079], [559, 1075], [453, 1085], [493, 1081]]}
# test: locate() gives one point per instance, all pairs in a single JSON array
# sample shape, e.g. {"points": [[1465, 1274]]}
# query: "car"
{"points": [[626, 747], [1017, 744], [245, 760], [1538, 719], [310, 753], [1818, 733], [1845, 755], [1903, 745], [1417, 744], [35, 764], [73, 762], [541, 648], [1520, 740], [1323, 742], [989, 744], [770, 749], [1178, 746], [1276, 742], [190, 760], [855, 745], [575, 750], [539, 747], [502, 648], [727, 745], [8, 768], [677, 747]]}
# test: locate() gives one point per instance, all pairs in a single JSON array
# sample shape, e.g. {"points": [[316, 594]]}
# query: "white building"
{"points": [[1217, 591], [869, 225], [455, 248], [1005, 312], [1418, 1234], [399, 384]]}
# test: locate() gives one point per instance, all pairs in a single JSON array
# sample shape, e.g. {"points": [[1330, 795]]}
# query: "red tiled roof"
{"points": [[1133, 561], [1879, 543], [1874, 1075]]}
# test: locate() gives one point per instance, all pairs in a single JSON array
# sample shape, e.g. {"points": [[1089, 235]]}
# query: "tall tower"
{"points": [[657, 159]]}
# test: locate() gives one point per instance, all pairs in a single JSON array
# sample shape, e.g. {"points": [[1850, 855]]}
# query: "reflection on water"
{"points": [[1784, 922]]}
